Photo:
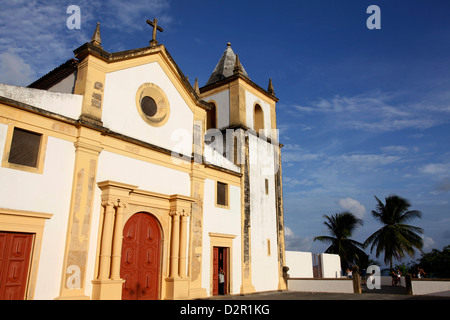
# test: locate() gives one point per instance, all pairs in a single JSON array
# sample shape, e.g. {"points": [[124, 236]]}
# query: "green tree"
{"points": [[404, 269], [395, 238], [436, 263], [341, 226]]}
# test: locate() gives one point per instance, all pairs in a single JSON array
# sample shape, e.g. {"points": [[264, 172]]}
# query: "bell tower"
{"points": [[239, 104], [238, 101]]}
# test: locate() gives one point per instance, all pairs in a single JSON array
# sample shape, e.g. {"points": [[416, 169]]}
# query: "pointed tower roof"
{"points": [[270, 88], [96, 38], [226, 66]]}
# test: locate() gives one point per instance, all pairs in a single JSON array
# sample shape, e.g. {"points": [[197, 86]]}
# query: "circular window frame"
{"points": [[162, 103]]}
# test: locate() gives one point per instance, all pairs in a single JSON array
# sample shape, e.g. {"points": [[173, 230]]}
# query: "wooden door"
{"points": [[215, 271], [15, 252], [140, 261], [225, 268], [220, 261]]}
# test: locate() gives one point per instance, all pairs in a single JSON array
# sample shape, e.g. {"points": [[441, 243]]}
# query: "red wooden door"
{"points": [[15, 252], [225, 269], [140, 261], [220, 261], [215, 270]]}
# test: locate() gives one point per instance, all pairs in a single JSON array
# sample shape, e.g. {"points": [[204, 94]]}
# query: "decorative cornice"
{"points": [[84, 146], [120, 204], [234, 77], [108, 203]]}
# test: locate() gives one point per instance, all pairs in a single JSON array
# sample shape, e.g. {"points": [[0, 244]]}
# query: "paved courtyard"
{"points": [[385, 293]]}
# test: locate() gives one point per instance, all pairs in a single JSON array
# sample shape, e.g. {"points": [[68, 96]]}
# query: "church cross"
{"points": [[155, 26]]}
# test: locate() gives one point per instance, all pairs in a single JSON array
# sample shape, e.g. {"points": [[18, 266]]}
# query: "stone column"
{"points": [[183, 242], [87, 149], [108, 284], [246, 270], [105, 251], [198, 177], [177, 284], [117, 241], [175, 244]]}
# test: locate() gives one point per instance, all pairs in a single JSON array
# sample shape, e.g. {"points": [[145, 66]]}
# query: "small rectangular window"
{"points": [[25, 147], [222, 194], [267, 186]]}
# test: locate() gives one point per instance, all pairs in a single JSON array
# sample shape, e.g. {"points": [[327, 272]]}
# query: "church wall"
{"points": [[212, 156], [74, 148], [120, 112], [146, 175], [221, 221], [251, 100], [50, 193], [222, 100], [65, 104], [66, 85], [264, 255]]}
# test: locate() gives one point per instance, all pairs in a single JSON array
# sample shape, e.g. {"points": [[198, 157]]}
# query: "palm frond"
{"points": [[395, 238]]}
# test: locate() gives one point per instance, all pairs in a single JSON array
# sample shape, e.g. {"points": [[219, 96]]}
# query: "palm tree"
{"points": [[395, 238], [341, 226]]}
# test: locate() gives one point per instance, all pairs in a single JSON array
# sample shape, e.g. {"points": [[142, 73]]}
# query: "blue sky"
{"points": [[361, 112]]}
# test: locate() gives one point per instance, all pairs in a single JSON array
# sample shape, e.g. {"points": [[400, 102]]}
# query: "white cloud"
{"points": [[292, 182], [303, 109], [376, 111], [296, 243], [395, 149], [353, 206], [295, 153], [437, 169], [14, 70], [129, 15], [428, 243], [288, 232], [368, 159], [35, 36]]}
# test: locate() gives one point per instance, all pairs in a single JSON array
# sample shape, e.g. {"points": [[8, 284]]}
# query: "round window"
{"points": [[152, 104], [148, 106]]}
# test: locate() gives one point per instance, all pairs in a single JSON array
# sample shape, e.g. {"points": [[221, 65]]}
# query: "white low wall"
{"points": [[433, 287], [331, 265], [300, 264], [339, 285], [65, 104]]}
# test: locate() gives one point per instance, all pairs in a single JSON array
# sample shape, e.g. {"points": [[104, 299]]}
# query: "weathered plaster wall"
{"points": [[264, 255], [222, 100], [222, 221], [65, 104], [120, 112], [250, 101], [147, 176], [66, 85], [48, 193]]}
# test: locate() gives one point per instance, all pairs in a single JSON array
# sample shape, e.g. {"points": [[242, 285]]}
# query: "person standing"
{"points": [[221, 282], [420, 273], [394, 278], [349, 273]]}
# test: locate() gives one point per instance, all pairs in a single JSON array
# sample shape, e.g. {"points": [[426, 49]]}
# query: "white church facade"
{"points": [[120, 180]]}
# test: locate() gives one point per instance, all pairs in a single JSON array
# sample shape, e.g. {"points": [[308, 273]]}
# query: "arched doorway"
{"points": [[141, 257]]}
